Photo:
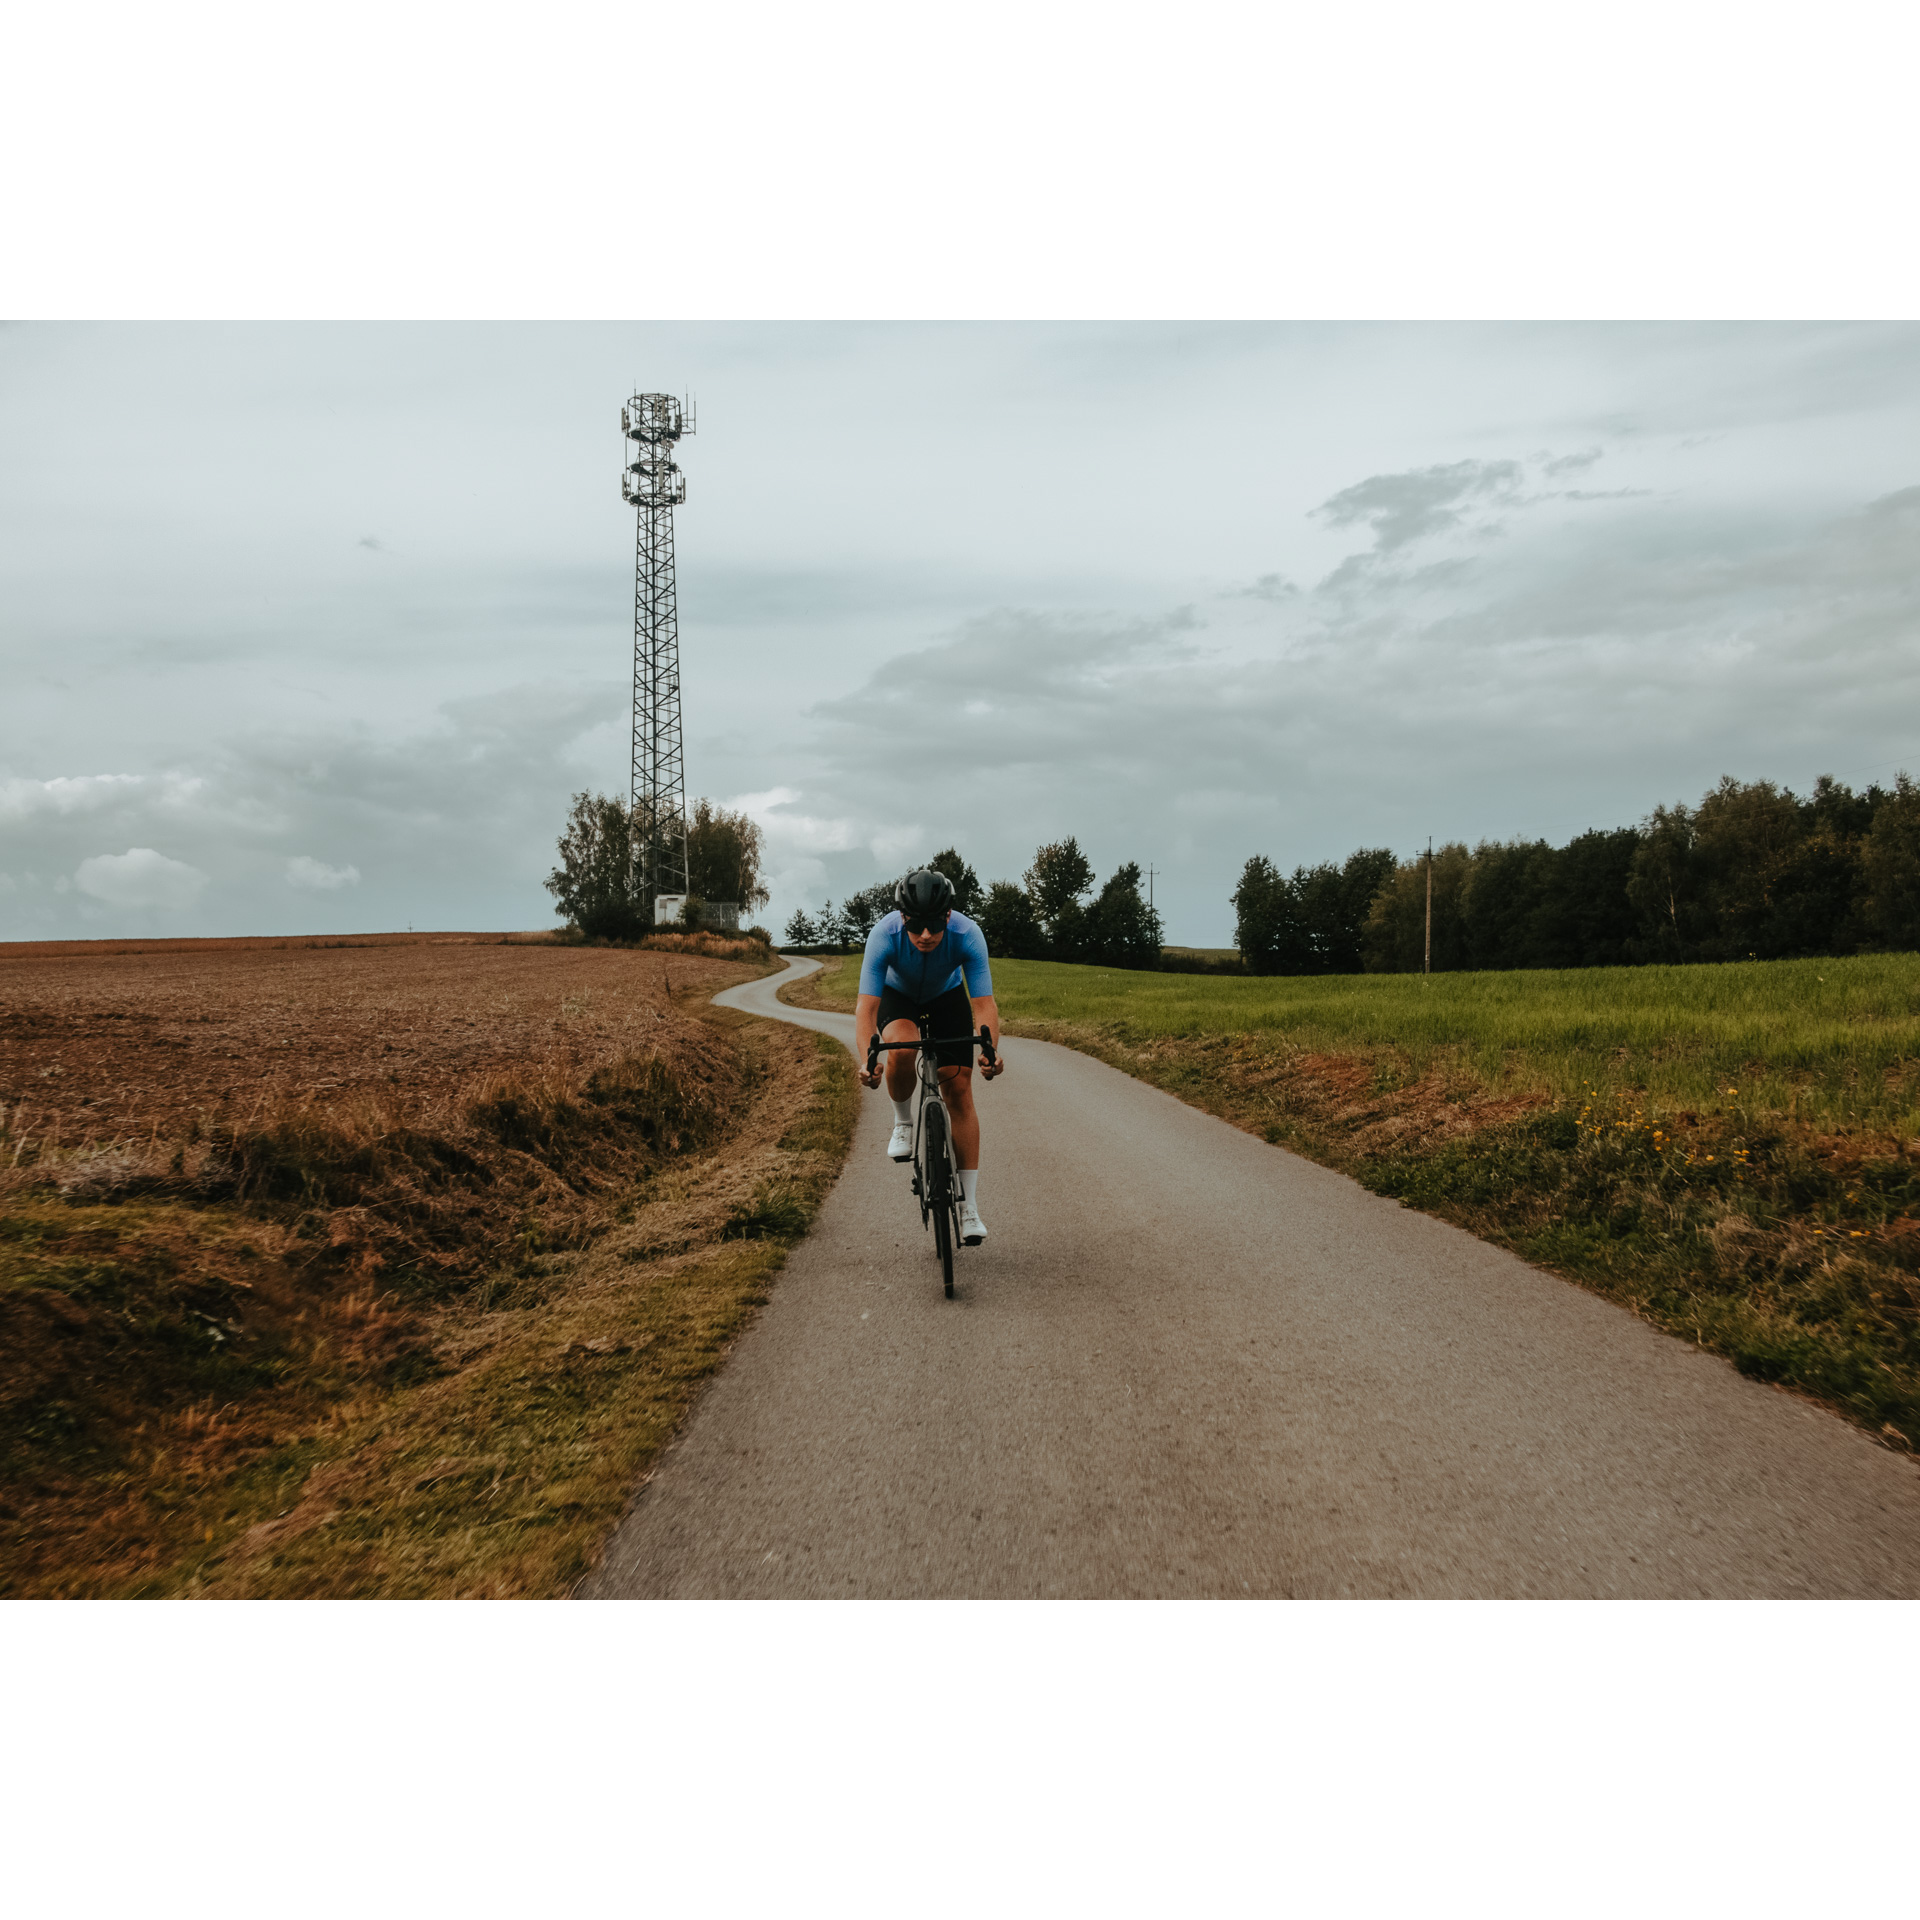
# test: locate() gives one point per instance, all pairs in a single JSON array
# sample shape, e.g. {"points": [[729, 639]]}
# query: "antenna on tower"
{"points": [[657, 802]]}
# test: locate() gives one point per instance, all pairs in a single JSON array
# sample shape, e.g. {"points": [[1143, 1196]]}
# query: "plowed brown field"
{"points": [[120, 1041], [277, 1214]]}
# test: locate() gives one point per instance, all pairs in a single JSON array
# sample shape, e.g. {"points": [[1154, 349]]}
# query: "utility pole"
{"points": [[1149, 889], [1428, 968]]}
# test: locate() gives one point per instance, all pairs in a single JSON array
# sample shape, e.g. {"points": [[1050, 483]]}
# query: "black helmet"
{"points": [[924, 898]]}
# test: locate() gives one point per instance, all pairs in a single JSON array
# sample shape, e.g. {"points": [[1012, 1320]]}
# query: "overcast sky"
{"points": [[316, 628]]}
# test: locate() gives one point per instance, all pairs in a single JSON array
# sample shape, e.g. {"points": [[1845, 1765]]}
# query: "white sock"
{"points": [[969, 1182], [903, 1113]]}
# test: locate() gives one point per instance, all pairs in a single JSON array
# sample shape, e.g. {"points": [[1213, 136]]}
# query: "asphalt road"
{"points": [[1188, 1363]]}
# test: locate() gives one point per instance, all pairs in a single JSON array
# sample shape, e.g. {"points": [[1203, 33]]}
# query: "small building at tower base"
{"points": [[717, 916]]}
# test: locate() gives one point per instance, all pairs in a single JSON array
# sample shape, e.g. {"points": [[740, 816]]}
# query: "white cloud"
{"points": [[796, 833], [86, 793], [140, 877], [794, 840], [68, 794], [891, 845], [179, 789], [305, 871]]}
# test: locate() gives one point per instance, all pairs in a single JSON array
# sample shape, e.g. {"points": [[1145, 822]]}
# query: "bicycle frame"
{"points": [[936, 1182]]}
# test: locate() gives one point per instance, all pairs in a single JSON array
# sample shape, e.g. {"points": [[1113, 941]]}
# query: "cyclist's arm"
{"points": [[873, 980], [978, 977], [974, 969], [987, 1014], [866, 1023]]}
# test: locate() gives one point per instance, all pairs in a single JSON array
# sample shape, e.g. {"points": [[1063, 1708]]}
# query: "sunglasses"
{"points": [[926, 926]]}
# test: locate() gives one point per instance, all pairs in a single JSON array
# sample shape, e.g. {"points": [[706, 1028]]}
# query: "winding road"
{"points": [[1186, 1363]]}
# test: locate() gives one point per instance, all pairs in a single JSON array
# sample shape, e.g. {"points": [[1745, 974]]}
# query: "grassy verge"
{"points": [[433, 1357], [832, 990], [1731, 1151]]}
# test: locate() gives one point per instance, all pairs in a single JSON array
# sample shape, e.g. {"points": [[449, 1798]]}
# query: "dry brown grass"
{"points": [[503, 1473], [713, 946], [299, 1279]]}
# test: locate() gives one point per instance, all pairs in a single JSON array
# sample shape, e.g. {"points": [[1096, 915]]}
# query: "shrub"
{"points": [[1010, 925], [1120, 929], [724, 855], [593, 885], [1890, 867]]}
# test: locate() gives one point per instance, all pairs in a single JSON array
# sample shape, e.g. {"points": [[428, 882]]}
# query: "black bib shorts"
{"points": [[951, 1016]]}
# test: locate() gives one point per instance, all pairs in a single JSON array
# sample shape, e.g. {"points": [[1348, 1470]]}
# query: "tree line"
{"points": [[599, 884], [1051, 913], [1754, 871]]}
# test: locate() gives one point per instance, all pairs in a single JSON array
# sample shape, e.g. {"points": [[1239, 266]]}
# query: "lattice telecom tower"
{"points": [[658, 796]]}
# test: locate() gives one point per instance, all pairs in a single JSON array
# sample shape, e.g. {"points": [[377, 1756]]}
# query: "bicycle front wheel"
{"points": [[943, 1239], [939, 1195]]}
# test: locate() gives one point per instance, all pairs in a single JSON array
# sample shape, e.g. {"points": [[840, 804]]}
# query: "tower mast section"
{"points": [[653, 485]]}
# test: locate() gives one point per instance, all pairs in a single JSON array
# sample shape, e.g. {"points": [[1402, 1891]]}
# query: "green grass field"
{"points": [[1834, 1042]]}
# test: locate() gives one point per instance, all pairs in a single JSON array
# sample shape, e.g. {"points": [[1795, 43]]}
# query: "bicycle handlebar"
{"points": [[983, 1040]]}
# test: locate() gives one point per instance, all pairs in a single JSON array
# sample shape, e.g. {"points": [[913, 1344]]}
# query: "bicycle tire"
{"points": [[923, 1127], [940, 1191]]}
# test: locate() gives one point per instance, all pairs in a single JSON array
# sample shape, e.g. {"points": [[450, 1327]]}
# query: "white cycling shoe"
{"points": [[900, 1147], [972, 1228]]}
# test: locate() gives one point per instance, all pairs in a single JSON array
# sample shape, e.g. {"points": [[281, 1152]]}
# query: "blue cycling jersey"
{"points": [[892, 960]]}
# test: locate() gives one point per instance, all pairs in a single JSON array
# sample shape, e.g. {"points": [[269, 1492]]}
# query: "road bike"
{"points": [[936, 1181]]}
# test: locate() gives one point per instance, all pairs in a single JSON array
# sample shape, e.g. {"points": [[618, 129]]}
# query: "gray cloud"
{"points": [[446, 825], [1590, 671], [1270, 586], [1404, 507]]}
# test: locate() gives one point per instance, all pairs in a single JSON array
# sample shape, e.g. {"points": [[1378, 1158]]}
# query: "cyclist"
{"points": [[925, 958]]}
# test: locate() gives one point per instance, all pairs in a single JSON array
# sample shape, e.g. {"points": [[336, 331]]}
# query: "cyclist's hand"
{"points": [[869, 1079], [994, 1068]]}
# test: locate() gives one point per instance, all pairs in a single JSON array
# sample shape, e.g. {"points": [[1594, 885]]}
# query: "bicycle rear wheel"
{"points": [[939, 1196]]}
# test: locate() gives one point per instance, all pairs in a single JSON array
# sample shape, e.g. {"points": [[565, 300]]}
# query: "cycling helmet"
{"points": [[924, 898]]}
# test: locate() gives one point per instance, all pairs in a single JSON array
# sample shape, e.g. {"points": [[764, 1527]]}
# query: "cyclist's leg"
{"points": [[899, 1065], [952, 1022], [956, 1088], [898, 1021]]}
